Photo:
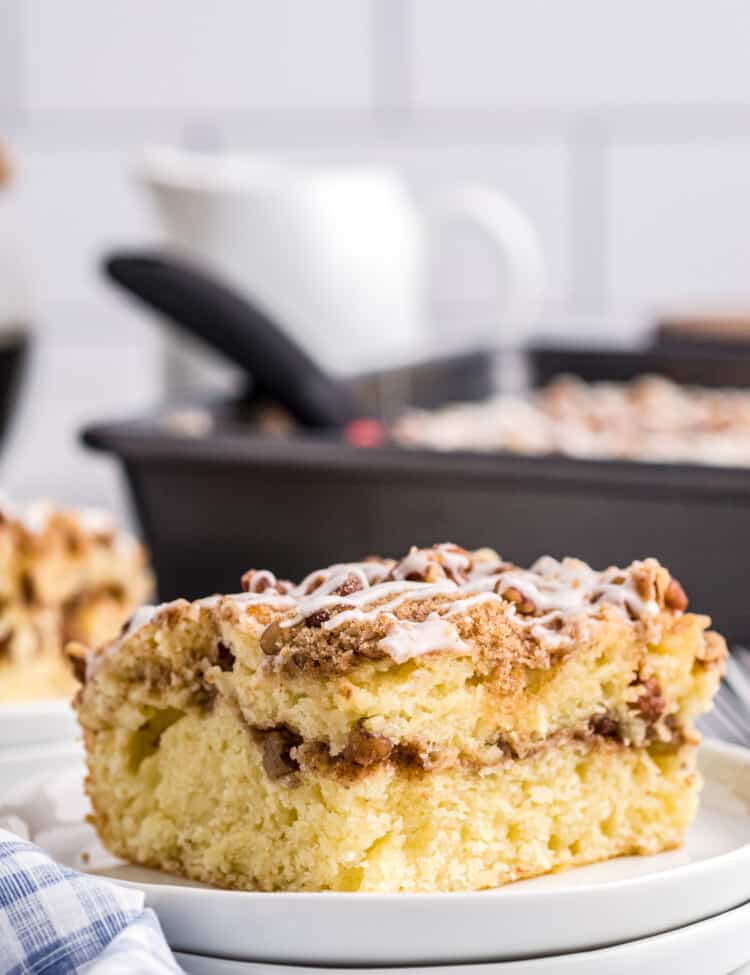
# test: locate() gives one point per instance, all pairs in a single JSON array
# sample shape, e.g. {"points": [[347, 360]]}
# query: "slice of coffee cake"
{"points": [[64, 575], [448, 721]]}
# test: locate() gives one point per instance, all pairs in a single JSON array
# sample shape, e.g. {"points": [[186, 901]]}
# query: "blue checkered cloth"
{"points": [[54, 921]]}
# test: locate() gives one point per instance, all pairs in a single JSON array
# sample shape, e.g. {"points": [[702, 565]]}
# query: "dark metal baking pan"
{"points": [[212, 507]]}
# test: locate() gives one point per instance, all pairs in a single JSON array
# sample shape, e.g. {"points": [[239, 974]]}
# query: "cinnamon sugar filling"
{"points": [[285, 752]]}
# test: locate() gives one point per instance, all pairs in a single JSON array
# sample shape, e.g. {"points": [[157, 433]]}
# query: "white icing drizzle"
{"points": [[566, 588], [372, 571], [415, 563], [406, 640], [96, 521], [35, 516], [260, 577], [561, 593], [462, 605], [265, 598], [401, 591]]}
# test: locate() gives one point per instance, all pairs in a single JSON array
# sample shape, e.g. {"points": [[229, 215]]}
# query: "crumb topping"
{"points": [[548, 601], [426, 601]]}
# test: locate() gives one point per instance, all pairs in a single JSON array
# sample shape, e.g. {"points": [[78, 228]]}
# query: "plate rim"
{"points": [[592, 954], [26, 708]]}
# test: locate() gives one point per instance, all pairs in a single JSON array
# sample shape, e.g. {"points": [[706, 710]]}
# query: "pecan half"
{"points": [[277, 746], [317, 619]]}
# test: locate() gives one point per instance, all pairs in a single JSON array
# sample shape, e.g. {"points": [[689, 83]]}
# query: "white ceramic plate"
{"points": [[713, 947], [25, 769], [35, 722], [583, 909]]}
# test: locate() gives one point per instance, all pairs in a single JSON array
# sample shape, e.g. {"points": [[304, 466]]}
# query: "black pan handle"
{"points": [[206, 307]]}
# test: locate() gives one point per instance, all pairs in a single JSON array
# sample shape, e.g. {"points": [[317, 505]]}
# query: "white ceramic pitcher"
{"points": [[337, 254]]}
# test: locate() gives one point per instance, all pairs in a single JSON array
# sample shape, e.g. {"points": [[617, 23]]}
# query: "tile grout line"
{"points": [[391, 110]]}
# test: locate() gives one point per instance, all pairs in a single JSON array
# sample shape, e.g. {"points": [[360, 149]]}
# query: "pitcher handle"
{"points": [[515, 243]]}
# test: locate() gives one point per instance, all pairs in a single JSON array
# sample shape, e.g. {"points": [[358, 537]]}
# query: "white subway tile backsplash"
{"points": [[679, 225], [581, 54], [196, 57]]}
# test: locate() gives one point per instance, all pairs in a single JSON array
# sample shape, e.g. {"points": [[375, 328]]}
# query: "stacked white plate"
{"points": [[30, 723], [686, 911], [34, 735]]}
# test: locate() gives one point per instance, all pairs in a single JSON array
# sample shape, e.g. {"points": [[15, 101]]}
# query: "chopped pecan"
{"points": [[272, 639], [650, 704], [604, 725], [5, 643], [675, 597], [365, 749], [413, 569], [224, 657], [644, 583], [352, 583], [277, 745], [28, 590], [73, 543], [315, 582], [318, 618], [456, 561], [261, 580], [77, 654], [408, 755], [522, 603]]}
